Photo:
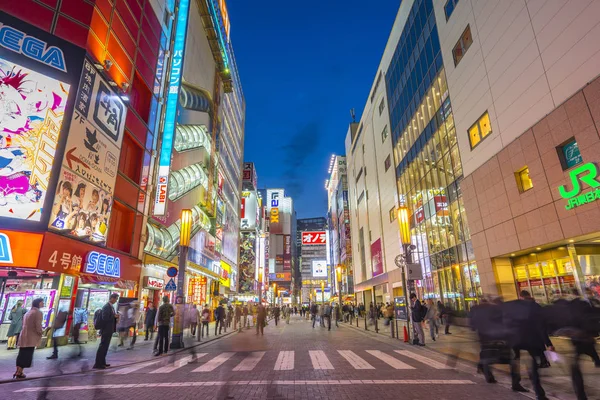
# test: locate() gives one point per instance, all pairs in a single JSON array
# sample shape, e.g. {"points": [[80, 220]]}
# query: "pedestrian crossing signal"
{"points": [[171, 286]]}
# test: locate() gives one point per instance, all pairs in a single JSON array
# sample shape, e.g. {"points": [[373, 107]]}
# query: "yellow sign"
{"points": [[225, 272], [274, 215]]}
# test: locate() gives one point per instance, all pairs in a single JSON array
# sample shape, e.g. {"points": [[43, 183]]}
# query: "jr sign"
{"points": [[588, 174]]}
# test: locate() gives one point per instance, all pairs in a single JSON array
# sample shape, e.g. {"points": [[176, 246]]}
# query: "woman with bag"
{"points": [[30, 337], [16, 324]]}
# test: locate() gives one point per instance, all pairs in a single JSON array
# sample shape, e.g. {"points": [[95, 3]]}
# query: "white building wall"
{"points": [[198, 56], [527, 57]]}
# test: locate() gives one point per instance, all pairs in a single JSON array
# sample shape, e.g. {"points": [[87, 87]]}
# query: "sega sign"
{"points": [[102, 264], [32, 47]]}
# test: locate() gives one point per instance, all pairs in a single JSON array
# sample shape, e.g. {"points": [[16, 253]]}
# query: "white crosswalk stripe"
{"points": [[133, 368], [250, 361], [429, 362], [355, 360], [389, 360], [285, 361], [177, 364], [319, 360], [214, 363]]}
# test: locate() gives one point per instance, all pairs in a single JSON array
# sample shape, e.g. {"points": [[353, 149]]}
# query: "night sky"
{"points": [[304, 64]]}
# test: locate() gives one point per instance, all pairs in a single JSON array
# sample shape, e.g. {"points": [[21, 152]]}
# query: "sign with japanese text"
{"points": [[164, 162], [587, 174], [376, 258], [314, 238], [150, 282], [225, 272], [20, 249], [280, 276], [80, 209], [287, 252], [249, 176], [249, 211], [274, 198]]}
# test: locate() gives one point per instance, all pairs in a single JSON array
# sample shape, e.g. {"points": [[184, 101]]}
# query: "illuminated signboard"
{"points": [[102, 264], [319, 268], [314, 238], [5, 250], [154, 283], [249, 211], [164, 163], [274, 198], [588, 174], [32, 47]]}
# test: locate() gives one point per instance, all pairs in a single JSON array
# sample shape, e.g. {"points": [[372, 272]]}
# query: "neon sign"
{"points": [[103, 264], [34, 48], [587, 173], [164, 163], [5, 250]]}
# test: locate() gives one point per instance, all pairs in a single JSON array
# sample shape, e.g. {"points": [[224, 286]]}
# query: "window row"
{"points": [[186, 179]]}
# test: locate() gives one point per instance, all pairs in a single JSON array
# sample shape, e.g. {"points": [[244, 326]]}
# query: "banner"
{"points": [[287, 252], [247, 264], [376, 258]]}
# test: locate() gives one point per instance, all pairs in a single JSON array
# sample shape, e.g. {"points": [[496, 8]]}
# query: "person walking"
{"points": [[220, 319], [261, 319], [107, 324], [16, 324], [204, 319], [445, 316], [165, 312], [326, 316], [237, 318], [193, 316], [133, 315], [276, 313], [313, 314], [150, 321], [431, 317], [58, 331], [29, 338], [417, 314], [229, 317], [245, 316]]}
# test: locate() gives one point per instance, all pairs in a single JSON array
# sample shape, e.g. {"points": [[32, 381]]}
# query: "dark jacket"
{"points": [[524, 324], [486, 319], [150, 317], [220, 313], [261, 313], [417, 311], [109, 319]]}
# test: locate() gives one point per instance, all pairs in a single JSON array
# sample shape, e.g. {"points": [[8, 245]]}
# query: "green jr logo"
{"points": [[587, 173]]}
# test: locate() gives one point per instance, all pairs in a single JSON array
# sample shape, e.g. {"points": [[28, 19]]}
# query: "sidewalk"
{"points": [[464, 345], [68, 363]]}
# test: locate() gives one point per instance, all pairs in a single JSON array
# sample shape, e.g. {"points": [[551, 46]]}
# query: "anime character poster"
{"points": [[32, 107], [80, 209]]}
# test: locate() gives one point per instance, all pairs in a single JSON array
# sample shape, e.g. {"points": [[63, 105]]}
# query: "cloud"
{"points": [[299, 148]]}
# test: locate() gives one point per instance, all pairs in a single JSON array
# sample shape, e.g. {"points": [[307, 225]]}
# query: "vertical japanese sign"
{"points": [[164, 163], [376, 258], [287, 252]]}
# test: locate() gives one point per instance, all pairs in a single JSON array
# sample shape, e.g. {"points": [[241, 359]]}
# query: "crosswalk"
{"points": [[287, 361]]}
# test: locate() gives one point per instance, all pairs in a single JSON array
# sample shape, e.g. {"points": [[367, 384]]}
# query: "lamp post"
{"points": [[184, 242], [260, 283], [274, 293], [322, 293], [338, 271], [406, 257]]}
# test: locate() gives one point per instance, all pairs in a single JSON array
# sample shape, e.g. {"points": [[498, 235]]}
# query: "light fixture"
{"points": [[404, 224], [538, 248], [512, 254], [125, 87], [571, 240]]}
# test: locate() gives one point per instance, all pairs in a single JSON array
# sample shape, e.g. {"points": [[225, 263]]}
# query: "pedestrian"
{"points": [[58, 331], [229, 316], [245, 316], [326, 315], [16, 324], [165, 312], [432, 318], [276, 313], [337, 314], [106, 323], [80, 317], [445, 316], [237, 317], [30, 337], [205, 319], [193, 317], [150, 321], [220, 319], [313, 314], [261, 319], [133, 314], [418, 312]]}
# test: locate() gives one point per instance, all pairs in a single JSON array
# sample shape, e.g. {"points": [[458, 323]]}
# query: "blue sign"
{"points": [[103, 264], [34, 48], [172, 272], [5, 250], [171, 286]]}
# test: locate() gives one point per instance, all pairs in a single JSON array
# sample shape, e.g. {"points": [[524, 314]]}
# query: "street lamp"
{"points": [[274, 293], [260, 283], [322, 293], [184, 241], [403, 260], [338, 271]]}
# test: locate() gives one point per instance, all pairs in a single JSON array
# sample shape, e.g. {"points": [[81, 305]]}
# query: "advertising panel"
{"points": [[164, 163], [249, 211], [80, 209], [287, 252], [225, 272], [249, 178], [280, 277], [153, 283], [247, 264], [319, 269], [37, 74], [274, 197], [376, 258], [314, 238], [20, 249]]}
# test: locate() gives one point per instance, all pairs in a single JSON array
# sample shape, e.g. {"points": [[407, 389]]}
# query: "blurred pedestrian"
{"points": [[205, 319], [245, 312], [107, 325], [261, 319], [431, 317], [237, 317], [276, 313], [445, 316], [418, 312], [313, 313], [16, 324], [150, 321], [29, 338], [193, 315], [165, 312], [58, 331], [220, 319], [229, 316]]}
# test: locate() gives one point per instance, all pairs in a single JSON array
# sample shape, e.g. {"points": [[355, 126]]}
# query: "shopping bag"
{"points": [[554, 357]]}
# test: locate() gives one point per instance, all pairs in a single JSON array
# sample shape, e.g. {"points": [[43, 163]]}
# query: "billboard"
{"points": [[247, 262], [249, 175], [319, 269], [249, 211], [37, 74], [287, 252], [274, 197], [376, 258], [314, 238]]}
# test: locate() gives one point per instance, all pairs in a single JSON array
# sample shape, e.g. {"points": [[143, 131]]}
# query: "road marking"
{"points": [[424, 360], [214, 363], [250, 362], [133, 368], [319, 360], [389, 360], [354, 360], [285, 361], [177, 364], [427, 382]]}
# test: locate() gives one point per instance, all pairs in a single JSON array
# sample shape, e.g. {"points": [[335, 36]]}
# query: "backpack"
{"points": [[98, 322]]}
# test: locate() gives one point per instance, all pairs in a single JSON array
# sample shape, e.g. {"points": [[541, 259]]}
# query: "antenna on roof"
{"points": [[353, 115]]}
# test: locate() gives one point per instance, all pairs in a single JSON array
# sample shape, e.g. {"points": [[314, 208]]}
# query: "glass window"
{"points": [[384, 134], [462, 45], [569, 154], [388, 163], [480, 130], [449, 8], [392, 214], [524, 182], [381, 106]]}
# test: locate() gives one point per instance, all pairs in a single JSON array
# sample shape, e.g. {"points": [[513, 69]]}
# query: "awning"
{"points": [[107, 280], [368, 284]]}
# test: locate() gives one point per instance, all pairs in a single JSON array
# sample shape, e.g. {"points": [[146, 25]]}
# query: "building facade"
{"points": [[526, 101], [314, 259]]}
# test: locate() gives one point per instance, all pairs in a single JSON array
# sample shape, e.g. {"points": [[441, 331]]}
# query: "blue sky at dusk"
{"points": [[304, 65]]}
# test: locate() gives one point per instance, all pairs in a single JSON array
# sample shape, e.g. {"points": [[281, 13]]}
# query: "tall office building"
{"points": [[313, 259]]}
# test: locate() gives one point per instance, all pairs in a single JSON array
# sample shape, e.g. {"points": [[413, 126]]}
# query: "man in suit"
{"points": [[109, 322]]}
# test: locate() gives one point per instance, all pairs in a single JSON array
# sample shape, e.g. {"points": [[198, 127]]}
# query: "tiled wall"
{"points": [[503, 220]]}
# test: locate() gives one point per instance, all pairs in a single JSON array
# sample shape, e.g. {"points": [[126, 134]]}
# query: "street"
{"points": [[291, 361]]}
